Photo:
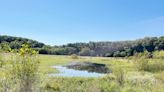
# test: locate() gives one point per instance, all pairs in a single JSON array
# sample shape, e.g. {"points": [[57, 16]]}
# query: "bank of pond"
{"points": [[81, 69]]}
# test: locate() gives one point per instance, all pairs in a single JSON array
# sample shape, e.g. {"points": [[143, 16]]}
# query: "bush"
{"points": [[144, 55], [74, 56], [53, 87], [22, 73], [123, 54], [116, 54], [109, 55]]}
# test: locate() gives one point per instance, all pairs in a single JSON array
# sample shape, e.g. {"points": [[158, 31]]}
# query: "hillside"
{"points": [[107, 49], [16, 42]]}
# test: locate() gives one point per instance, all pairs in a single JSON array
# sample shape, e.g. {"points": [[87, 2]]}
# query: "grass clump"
{"points": [[120, 76], [143, 55], [1, 61], [74, 56], [159, 54], [150, 65], [160, 76]]}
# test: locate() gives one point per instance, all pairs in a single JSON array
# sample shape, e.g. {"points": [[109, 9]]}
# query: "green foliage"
{"points": [[108, 49], [25, 69], [123, 54], [144, 55], [16, 42], [85, 52], [26, 50], [109, 54], [22, 73], [117, 54], [5, 47]]}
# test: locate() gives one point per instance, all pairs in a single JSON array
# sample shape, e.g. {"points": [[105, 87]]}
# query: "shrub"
{"points": [[53, 87], [109, 54], [123, 54], [74, 56], [144, 55], [25, 70], [116, 54]]}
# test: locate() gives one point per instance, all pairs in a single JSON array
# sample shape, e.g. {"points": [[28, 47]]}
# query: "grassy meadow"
{"points": [[132, 74], [126, 76], [49, 60]]}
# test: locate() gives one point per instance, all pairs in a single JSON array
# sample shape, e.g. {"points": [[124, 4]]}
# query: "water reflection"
{"points": [[65, 72]]}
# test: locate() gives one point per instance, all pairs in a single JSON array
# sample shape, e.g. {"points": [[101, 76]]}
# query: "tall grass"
{"points": [[21, 75], [119, 75], [158, 54], [1, 61], [150, 65]]}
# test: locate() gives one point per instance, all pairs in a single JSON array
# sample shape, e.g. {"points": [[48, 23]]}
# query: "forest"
{"points": [[104, 49]]}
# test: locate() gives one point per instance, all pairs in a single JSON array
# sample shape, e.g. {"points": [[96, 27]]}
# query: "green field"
{"points": [[125, 76], [133, 79], [49, 60]]}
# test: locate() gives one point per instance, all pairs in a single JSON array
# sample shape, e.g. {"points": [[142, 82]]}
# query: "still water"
{"points": [[65, 72]]}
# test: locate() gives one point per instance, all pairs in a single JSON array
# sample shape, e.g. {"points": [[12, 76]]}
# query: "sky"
{"points": [[58, 22]]}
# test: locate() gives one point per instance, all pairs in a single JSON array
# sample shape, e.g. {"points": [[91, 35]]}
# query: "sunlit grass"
{"points": [[49, 60], [135, 80]]}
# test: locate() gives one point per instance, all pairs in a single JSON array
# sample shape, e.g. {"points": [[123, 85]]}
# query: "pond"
{"points": [[67, 72]]}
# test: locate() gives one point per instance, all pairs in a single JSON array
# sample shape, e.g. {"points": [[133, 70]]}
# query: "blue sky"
{"points": [[57, 22]]}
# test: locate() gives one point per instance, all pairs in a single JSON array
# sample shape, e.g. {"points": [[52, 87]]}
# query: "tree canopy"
{"points": [[106, 49]]}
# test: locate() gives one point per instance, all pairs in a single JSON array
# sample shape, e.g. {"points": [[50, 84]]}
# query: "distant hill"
{"points": [[16, 42], [106, 49]]}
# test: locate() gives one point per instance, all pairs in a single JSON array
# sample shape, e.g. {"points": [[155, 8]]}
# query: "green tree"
{"points": [[85, 51], [123, 54], [116, 54]]}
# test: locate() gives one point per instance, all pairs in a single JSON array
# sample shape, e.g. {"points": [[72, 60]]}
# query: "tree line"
{"points": [[105, 49]]}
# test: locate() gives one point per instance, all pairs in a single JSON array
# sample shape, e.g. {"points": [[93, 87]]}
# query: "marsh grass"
{"points": [[129, 79], [159, 54], [150, 65], [20, 72]]}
